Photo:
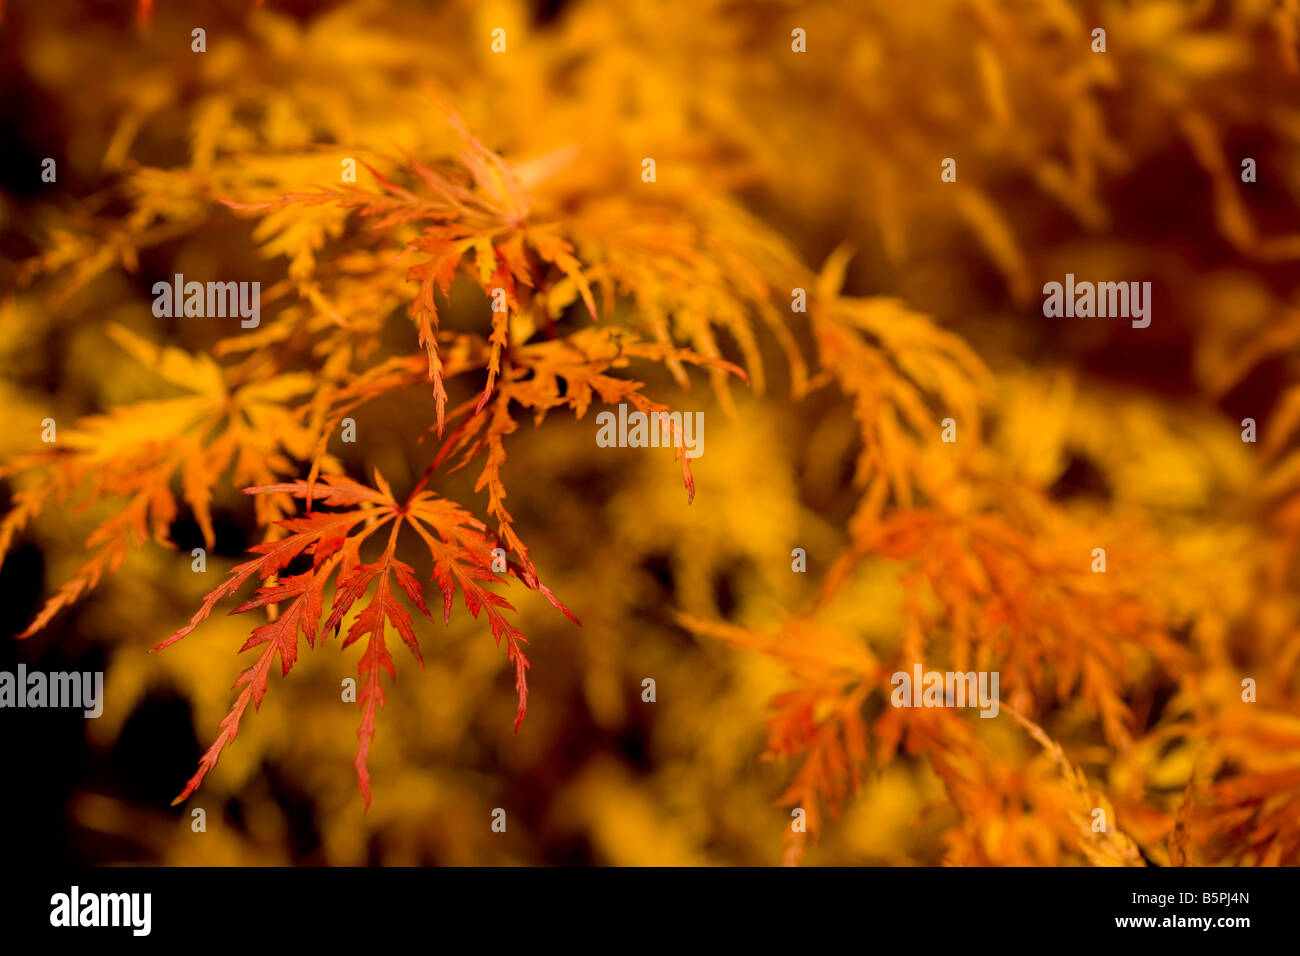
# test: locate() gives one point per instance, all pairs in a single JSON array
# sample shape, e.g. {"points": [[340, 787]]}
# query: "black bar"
{"points": [[538, 907]]}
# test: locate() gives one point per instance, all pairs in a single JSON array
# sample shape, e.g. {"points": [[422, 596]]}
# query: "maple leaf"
{"points": [[895, 365], [461, 554], [1047, 619], [481, 224], [138, 452], [819, 721], [568, 373]]}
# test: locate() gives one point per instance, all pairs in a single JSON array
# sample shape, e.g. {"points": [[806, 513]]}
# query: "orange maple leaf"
{"points": [[461, 551]]}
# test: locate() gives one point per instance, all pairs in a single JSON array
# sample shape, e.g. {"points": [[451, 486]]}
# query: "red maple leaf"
{"points": [[462, 554]]}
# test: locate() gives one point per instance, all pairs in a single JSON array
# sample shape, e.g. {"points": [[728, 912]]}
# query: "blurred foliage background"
{"points": [[1083, 433]]}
